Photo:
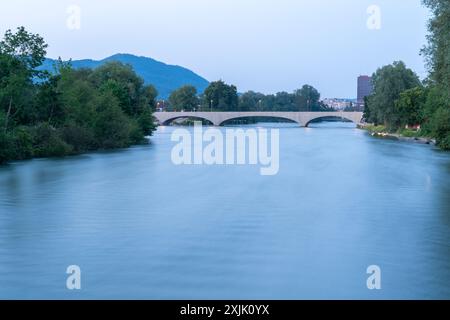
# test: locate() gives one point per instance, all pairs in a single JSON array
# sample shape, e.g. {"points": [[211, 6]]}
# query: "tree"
{"points": [[252, 101], [14, 82], [440, 126], [28, 48], [135, 99], [78, 97], [389, 82], [437, 52], [368, 115], [284, 101], [122, 82], [307, 98], [147, 122], [221, 97], [20, 54], [438, 49], [148, 97], [184, 98], [49, 107], [5, 141], [410, 106], [437, 116], [112, 127]]}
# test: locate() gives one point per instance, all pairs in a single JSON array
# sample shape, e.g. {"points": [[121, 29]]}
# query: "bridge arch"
{"points": [[308, 117], [168, 121], [243, 117], [348, 119]]}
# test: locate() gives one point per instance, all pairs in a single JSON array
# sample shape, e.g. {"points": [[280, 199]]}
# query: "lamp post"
{"points": [[211, 104]]}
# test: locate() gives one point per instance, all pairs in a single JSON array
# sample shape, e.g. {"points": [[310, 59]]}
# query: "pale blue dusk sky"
{"points": [[261, 45]]}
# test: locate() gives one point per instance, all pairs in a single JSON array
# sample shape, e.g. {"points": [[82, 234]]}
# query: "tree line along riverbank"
{"points": [[69, 111], [400, 101]]}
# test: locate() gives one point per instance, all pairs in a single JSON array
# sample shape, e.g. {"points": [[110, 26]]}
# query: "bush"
{"points": [[376, 129], [440, 126], [112, 127], [79, 137], [409, 133], [5, 147], [147, 122], [22, 141], [48, 142], [16, 145], [444, 143], [137, 135]]}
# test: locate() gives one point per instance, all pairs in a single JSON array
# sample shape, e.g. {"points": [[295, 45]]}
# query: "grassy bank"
{"points": [[381, 131]]}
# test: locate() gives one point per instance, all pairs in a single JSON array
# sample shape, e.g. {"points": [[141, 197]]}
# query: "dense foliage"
{"points": [[184, 99], [305, 99], [389, 83], [437, 105], [69, 111], [401, 100], [220, 96]]}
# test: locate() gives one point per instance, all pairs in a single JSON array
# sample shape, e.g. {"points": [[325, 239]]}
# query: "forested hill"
{"points": [[165, 78]]}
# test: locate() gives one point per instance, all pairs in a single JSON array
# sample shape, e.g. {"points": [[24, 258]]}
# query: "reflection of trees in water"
{"points": [[254, 120], [189, 122], [330, 119]]}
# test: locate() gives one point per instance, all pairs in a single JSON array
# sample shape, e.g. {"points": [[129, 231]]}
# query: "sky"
{"points": [[260, 45]]}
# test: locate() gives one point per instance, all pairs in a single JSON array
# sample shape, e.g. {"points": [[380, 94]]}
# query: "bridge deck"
{"points": [[218, 118]]}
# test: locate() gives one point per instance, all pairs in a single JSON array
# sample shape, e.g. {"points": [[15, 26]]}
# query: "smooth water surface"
{"points": [[141, 227]]}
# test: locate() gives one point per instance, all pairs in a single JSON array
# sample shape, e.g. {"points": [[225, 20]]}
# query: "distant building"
{"points": [[338, 104], [365, 88]]}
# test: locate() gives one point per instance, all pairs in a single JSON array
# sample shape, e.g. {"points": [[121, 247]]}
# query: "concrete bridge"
{"points": [[219, 118]]}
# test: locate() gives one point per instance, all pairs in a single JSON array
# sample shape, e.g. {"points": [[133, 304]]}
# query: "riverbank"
{"points": [[406, 135]]}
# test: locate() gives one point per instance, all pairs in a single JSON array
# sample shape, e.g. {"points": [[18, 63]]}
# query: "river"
{"points": [[140, 227]]}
